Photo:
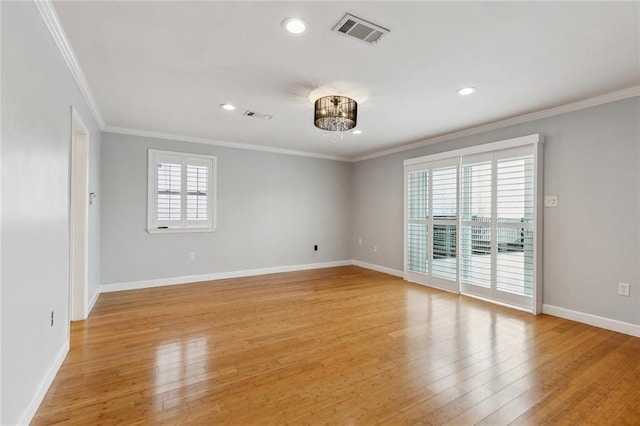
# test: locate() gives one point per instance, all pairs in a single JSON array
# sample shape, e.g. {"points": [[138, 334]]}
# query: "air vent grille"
{"points": [[254, 114], [360, 29]]}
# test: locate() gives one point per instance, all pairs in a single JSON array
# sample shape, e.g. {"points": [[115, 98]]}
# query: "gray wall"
{"points": [[591, 241], [37, 94], [272, 209]]}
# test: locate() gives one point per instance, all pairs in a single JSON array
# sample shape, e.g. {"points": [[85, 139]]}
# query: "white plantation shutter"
{"points": [[197, 192], [181, 192], [417, 208], [168, 190], [515, 215], [476, 220], [444, 186], [431, 223]]}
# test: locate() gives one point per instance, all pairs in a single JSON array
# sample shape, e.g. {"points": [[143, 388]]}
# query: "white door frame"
{"points": [[79, 219]]}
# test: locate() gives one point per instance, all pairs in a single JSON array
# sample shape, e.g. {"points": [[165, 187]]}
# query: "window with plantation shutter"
{"points": [[168, 189], [181, 192], [472, 221]]}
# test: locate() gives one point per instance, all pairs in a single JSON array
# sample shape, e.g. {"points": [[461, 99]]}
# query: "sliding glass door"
{"points": [[432, 223], [471, 224], [497, 204]]}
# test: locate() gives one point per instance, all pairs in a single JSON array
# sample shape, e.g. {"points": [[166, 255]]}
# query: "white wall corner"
{"points": [[31, 410], [594, 320]]}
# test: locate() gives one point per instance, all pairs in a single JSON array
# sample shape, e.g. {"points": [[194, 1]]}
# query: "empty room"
{"points": [[318, 212]]}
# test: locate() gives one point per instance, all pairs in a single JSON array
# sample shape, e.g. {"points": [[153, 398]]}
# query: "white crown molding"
{"points": [[563, 109], [235, 145], [55, 28]]}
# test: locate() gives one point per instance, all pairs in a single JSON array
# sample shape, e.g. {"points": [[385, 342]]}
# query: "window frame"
{"points": [[155, 226]]}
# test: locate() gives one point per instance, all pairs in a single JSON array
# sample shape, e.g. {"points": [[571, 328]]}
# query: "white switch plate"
{"points": [[551, 201], [360, 241], [623, 289], [192, 256], [375, 249]]}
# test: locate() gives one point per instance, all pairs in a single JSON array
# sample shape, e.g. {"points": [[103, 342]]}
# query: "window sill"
{"points": [[178, 230]]}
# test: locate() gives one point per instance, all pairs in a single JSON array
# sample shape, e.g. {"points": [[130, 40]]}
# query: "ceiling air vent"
{"points": [[355, 27], [257, 115]]}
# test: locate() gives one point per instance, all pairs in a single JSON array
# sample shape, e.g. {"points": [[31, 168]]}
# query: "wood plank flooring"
{"points": [[340, 346]]}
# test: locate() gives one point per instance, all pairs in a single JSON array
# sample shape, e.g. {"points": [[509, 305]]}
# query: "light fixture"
{"points": [[357, 132], [467, 91], [227, 107], [335, 113], [294, 25]]}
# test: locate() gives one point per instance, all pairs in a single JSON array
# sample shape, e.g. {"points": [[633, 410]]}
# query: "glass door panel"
{"points": [[417, 227]]}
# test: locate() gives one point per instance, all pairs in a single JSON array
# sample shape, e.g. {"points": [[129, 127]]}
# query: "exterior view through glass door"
{"points": [[471, 222]]}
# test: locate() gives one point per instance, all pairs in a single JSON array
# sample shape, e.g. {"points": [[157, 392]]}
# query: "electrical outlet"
{"points": [[551, 201], [360, 241], [375, 249], [52, 318], [192, 256], [623, 289]]}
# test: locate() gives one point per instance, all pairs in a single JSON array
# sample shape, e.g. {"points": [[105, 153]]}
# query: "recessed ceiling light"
{"points": [[357, 132], [467, 91], [294, 25], [227, 107]]}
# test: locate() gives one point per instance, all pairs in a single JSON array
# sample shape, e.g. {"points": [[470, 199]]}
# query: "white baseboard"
{"points": [[106, 288], [377, 268], [92, 302], [31, 410], [594, 320]]}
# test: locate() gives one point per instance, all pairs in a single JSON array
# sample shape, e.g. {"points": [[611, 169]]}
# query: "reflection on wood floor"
{"points": [[340, 345]]}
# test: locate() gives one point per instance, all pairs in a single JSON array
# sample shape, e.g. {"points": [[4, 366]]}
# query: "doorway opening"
{"points": [[79, 219]]}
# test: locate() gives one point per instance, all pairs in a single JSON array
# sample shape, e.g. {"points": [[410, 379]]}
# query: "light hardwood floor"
{"points": [[341, 346]]}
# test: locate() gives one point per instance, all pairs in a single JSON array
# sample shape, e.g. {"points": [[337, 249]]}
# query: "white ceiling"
{"points": [[166, 67]]}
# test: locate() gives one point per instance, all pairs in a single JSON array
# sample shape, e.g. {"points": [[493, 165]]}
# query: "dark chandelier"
{"points": [[335, 113]]}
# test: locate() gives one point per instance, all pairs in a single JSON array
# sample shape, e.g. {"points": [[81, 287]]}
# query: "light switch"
{"points": [[551, 201]]}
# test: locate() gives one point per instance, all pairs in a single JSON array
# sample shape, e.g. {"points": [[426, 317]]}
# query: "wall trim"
{"points": [[550, 112], [594, 320], [55, 28], [377, 268], [188, 279], [50, 18], [32, 408], [92, 303], [234, 145]]}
